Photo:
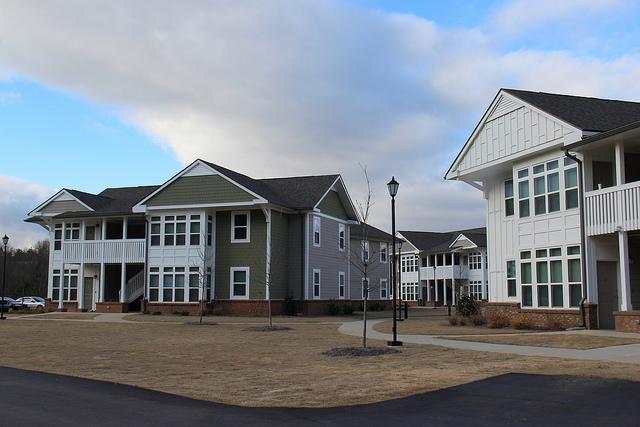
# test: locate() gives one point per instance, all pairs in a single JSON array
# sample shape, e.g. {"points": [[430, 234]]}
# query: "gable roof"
{"points": [[372, 233], [111, 201], [431, 241], [588, 114]]}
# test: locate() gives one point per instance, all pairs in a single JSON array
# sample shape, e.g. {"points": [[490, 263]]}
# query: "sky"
{"points": [[117, 93]]}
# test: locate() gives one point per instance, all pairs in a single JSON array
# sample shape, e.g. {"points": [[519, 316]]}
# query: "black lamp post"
{"points": [[5, 241], [393, 190]]}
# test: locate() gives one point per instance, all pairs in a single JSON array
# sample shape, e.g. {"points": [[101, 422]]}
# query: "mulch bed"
{"points": [[359, 351], [267, 328]]}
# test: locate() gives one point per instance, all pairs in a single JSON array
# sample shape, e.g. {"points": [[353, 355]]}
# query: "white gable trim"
{"points": [[509, 102], [332, 187], [196, 168], [400, 236], [462, 236], [53, 198]]}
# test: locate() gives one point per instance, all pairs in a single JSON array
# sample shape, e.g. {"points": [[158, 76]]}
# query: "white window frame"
{"points": [[233, 226], [156, 235], [232, 270], [362, 288], [154, 272], [384, 249], [58, 234], [366, 249], [318, 284], [317, 229], [71, 229], [384, 286], [342, 282], [342, 237]]}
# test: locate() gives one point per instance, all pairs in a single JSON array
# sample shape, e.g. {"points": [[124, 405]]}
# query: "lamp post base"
{"points": [[394, 343]]}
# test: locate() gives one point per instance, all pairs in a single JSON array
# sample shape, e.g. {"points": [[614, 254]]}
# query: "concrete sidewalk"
{"points": [[624, 353]]}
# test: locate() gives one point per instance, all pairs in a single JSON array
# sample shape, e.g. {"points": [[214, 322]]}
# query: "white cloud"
{"points": [[17, 198], [279, 88]]}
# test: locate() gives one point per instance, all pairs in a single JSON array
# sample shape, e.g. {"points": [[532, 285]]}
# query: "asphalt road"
{"points": [[32, 398]]}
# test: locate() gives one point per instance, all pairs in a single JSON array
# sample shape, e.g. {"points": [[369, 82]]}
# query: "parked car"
{"points": [[9, 304], [30, 302]]}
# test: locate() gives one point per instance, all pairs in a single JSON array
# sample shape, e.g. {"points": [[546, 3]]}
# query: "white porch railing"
{"points": [[134, 287], [612, 209], [109, 251]]}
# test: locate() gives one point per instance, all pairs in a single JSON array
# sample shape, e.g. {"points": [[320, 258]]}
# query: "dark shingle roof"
{"points": [[431, 241], [372, 233], [589, 114], [299, 192], [110, 201]]}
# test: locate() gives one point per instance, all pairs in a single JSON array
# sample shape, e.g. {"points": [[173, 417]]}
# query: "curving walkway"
{"points": [[625, 353]]}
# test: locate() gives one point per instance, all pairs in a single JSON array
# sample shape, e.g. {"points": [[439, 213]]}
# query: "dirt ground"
{"points": [[439, 325], [225, 363], [572, 341]]}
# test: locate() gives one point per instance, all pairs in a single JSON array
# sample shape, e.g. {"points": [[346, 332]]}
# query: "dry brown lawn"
{"points": [[225, 363], [438, 325], [571, 341], [278, 320]]}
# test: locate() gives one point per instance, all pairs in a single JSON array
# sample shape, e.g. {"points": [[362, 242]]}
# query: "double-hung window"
{"points": [[526, 279], [383, 253], [383, 289], [570, 183], [194, 283], [209, 230], [173, 284], [574, 268], [508, 198], [169, 230], [316, 284], [57, 237], [365, 288], [475, 261], [365, 251], [55, 284], [511, 279], [154, 232], [239, 277], [194, 230], [316, 231], [70, 281], [240, 227], [154, 284], [342, 236], [523, 193], [181, 230], [341, 284]]}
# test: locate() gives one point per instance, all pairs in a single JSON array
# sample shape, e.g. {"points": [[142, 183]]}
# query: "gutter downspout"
{"points": [[583, 253]]}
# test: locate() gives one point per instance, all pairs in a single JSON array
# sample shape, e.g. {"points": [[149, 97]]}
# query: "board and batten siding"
{"points": [[327, 258], [203, 189], [512, 128], [252, 254], [332, 205]]}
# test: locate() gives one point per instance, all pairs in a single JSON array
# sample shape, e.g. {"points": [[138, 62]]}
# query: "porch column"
{"points": [[124, 228], [623, 263], [81, 287], [428, 290], [101, 290], [619, 149], [483, 260], [435, 282], [123, 282]]}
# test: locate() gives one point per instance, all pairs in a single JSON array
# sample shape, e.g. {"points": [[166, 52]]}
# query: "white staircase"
{"points": [[135, 287]]}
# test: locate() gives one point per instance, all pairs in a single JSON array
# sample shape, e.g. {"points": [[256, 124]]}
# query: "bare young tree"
{"points": [[362, 255], [204, 274]]}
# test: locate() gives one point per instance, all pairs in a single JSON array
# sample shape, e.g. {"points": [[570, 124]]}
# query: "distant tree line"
{"points": [[26, 270]]}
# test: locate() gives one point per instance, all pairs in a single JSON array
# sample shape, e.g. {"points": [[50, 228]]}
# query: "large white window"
{"points": [[383, 289], [316, 231], [72, 231], [475, 261], [511, 279], [194, 230], [55, 284], [383, 253], [523, 193], [475, 289], [57, 237], [70, 281], [341, 285], [194, 283], [154, 231], [341, 236], [409, 291], [173, 284], [209, 230], [175, 230], [316, 284], [239, 278], [154, 284], [240, 227], [508, 198], [574, 268], [570, 183]]}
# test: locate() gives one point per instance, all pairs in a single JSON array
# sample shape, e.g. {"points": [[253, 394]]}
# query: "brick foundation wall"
{"points": [[542, 318], [111, 307], [627, 321], [53, 305]]}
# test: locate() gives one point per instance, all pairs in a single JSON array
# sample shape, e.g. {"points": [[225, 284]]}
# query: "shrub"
{"points": [[376, 306], [347, 309], [497, 320], [462, 320], [453, 320], [477, 320], [333, 308], [467, 306], [520, 323]]}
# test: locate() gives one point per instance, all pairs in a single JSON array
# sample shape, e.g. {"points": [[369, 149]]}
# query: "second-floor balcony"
{"points": [[612, 209], [104, 251]]}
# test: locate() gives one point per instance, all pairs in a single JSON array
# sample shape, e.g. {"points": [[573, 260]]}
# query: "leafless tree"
{"points": [[204, 273]]}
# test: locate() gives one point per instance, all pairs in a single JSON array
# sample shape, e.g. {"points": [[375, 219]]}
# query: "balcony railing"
{"points": [[613, 209], [107, 251]]}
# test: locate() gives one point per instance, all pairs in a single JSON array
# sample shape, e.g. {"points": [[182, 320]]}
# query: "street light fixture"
{"points": [[5, 241], [393, 191]]}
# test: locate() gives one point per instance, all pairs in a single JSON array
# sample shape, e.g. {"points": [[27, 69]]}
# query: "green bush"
{"points": [[333, 308], [477, 320], [467, 306], [376, 306]]}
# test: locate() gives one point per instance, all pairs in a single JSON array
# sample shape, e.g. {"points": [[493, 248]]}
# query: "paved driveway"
{"points": [[31, 398]]}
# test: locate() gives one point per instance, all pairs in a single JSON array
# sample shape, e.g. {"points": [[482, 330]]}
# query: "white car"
{"points": [[30, 302]]}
